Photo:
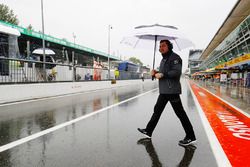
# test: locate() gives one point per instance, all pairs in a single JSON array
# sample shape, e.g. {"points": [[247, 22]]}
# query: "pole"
{"points": [[44, 58], [154, 56], [154, 52], [73, 59], [73, 66], [28, 49], [109, 27]]}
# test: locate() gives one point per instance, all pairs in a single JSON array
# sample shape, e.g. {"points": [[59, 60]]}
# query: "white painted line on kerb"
{"points": [[202, 94], [218, 151], [39, 134]]}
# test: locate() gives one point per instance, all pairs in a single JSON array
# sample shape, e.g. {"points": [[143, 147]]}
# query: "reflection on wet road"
{"points": [[21, 120], [185, 161], [108, 138], [151, 151]]}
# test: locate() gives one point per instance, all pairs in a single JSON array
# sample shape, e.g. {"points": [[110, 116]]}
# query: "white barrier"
{"points": [[21, 92]]}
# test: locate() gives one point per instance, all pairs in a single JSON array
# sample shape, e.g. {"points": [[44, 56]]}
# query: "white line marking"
{"points": [[202, 94], [39, 134], [218, 151]]}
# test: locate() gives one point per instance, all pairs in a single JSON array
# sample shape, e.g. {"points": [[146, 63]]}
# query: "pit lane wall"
{"points": [[22, 92]]}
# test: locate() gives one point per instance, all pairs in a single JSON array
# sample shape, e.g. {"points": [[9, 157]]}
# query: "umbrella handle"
{"points": [[153, 77], [154, 52]]}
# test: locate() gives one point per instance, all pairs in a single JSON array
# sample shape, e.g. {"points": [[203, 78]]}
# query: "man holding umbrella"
{"points": [[170, 89]]}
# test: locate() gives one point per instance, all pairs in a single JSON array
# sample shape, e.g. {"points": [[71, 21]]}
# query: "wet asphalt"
{"points": [[236, 95], [106, 139]]}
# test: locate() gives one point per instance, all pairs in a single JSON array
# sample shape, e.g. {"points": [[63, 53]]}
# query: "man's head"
{"points": [[165, 46]]}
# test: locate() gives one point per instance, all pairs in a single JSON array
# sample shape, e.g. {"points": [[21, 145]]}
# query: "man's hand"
{"points": [[153, 72], [158, 75]]}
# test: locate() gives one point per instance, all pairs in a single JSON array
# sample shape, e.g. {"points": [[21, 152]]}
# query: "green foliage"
{"points": [[8, 15], [135, 60]]}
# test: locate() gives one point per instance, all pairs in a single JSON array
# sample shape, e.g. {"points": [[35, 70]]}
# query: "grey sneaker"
{"points": [[143, 131]]}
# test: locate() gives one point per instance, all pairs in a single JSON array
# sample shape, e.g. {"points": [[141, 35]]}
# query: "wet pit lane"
{"points": [[236, 95], [108, 138]]}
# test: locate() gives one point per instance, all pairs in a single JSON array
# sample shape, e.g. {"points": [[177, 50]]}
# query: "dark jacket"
{"points": [[171, 65]]}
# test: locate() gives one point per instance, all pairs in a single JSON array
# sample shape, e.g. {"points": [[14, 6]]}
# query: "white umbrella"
{"points": [[40, 51], [143, 34]]}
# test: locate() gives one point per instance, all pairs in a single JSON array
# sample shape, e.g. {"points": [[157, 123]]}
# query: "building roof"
{"points": [[9, 30], [39, 35], [239, 12]]}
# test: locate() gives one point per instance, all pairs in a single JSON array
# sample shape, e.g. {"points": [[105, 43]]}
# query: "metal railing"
{"points": [[30, 71]]}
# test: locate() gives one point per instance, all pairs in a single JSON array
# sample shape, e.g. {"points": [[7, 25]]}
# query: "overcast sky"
{"points": [[199, 20]]}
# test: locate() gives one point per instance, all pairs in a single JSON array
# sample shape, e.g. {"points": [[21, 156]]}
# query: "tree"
{"points": [[135, 60], [8, 15]]}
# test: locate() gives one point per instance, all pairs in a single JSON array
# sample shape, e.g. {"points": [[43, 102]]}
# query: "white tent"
{"points": [[40, 51]]}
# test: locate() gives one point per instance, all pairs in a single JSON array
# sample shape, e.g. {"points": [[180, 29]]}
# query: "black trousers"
{"points": [[178, 109]]}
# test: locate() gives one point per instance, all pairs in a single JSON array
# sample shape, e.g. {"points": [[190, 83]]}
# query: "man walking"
{"points": [[170, 90]]}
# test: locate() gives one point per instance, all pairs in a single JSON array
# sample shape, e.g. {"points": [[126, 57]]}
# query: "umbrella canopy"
{"points": [[39, 51], [156, 33]]}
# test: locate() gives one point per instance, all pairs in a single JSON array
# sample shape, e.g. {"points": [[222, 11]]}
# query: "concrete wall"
{"points": [[21, 92]]}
